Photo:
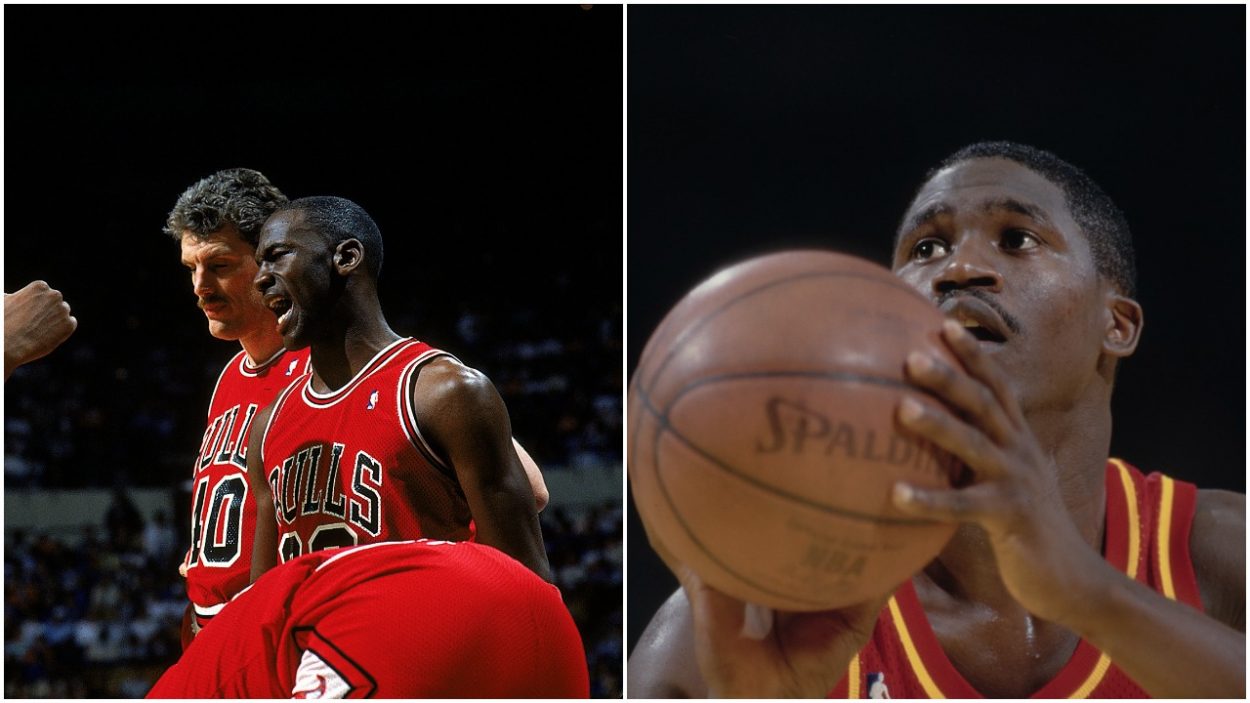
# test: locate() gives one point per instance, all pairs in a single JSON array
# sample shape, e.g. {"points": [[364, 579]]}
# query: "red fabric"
{"points": [[348, 468], [222, 510], [394, 620], [885, 659]]}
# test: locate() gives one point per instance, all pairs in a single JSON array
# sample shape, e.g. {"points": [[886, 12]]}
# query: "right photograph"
{"points": [[936, 352]]}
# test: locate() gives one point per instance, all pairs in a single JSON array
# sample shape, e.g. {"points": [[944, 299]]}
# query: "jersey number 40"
{"points": [[215, 527]]}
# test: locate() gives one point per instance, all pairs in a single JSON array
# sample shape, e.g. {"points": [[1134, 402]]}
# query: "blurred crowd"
{"points": [[92, 405], [586, 552], [95, 617], [99, 616]]}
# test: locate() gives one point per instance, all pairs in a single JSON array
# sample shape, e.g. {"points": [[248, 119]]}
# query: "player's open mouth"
{"points": [[281, 307], [983, 334], [980, 319]]}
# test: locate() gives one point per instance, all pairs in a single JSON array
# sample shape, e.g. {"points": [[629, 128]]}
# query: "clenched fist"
{"points": [[36, 321]]}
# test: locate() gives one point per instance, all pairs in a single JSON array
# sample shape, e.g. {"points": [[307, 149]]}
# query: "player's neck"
{"points": [[1078, 439], [261, 346], [337, 361]]}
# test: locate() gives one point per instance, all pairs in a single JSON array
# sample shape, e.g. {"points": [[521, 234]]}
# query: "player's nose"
{"points": [[201, 282], [263, 278], [969, 265]]}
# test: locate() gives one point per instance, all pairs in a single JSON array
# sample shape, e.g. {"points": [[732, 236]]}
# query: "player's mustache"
{"points": [[210, 300], [1010, 320]]}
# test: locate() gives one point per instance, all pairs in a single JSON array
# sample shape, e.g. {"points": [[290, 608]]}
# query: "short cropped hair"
{"points": [[339, 219], [236, 196], [1103, 224]]}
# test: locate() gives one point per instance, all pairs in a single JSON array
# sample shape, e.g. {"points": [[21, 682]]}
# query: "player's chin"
{"points": [[294, 335], [223, 329]]}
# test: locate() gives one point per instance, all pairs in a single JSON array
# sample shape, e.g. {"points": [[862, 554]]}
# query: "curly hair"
{"points": [[1103, 224], [236, 196]]}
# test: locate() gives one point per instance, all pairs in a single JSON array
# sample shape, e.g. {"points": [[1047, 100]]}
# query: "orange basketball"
{"points": [[763, 447]]}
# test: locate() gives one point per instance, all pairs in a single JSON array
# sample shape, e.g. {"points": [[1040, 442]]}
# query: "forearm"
{"points": [[663, 663], [507, 520], [264, 546], [1170, 649]]}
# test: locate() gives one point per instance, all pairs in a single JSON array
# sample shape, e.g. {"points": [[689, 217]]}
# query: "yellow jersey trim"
{"points": [[922, 674], [852, 678], [1130, 567], [1164, 544]]}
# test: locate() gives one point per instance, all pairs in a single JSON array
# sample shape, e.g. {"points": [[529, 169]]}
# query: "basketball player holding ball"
{"points": [[1071, 573], [217, 223]]}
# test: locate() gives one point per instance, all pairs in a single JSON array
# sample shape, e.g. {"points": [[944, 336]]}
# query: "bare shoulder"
{"points": [[663, 664], [1217, 545], [445, 383]]}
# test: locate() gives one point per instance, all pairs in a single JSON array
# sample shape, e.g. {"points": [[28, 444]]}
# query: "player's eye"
{"points": [[1019, 240], [929, 248]]}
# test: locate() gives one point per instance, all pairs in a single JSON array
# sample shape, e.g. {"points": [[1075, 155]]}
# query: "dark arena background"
{"points": [[485, 142], [759, 129]]}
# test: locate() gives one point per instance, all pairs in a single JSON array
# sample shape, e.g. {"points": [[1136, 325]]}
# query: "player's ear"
{"points": [[1123, 324], [348, 255]]}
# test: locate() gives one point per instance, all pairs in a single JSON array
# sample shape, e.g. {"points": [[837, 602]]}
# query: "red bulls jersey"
{"points": [[223, 515], [1147, 537], [388, 620], [351, 467]]}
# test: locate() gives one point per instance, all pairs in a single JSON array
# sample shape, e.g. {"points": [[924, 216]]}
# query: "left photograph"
{"points": [[313, 342]]}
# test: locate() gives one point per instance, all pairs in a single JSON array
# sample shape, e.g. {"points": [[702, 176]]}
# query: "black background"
{"points": [[757, 129]]}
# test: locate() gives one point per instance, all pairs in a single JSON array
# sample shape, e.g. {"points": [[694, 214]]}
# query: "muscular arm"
{"points": [[663, 664], [537, 484], [465, 420], [1217, 546], [1170, 649], [265, 546]]}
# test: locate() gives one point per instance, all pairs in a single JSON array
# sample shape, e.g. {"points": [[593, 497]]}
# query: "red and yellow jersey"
{"points": [[389, 620], [351, 466], [1147, 537], [223, 515]]}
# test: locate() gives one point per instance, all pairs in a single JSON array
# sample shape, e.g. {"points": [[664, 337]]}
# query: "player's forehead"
{"points": [[985, 185], [225, 242], [287, 226]]}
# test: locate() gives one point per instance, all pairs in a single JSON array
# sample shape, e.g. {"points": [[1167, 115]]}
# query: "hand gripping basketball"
{"points": [[763, 445]]}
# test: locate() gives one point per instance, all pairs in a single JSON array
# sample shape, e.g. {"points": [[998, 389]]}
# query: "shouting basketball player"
{"points": [[386, 438], [217, 222], [1071, 574], [390, 620]]}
